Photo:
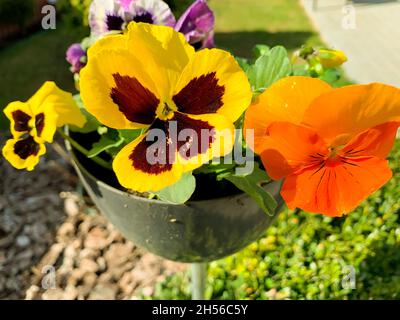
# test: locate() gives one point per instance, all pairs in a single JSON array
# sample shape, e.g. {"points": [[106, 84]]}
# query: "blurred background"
{"points": [[55, 245]]}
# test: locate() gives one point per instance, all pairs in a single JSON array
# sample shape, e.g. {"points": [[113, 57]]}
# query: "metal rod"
{"points": [[199, 274]]}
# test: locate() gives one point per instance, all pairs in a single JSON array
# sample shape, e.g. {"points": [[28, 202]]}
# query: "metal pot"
{"points": [[198, 231]]}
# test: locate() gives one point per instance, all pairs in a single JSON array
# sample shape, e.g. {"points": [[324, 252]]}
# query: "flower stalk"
{"points": [[84, 151]]}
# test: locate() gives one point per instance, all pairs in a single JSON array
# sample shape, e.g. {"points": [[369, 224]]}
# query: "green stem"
{"points": [[84, 151]]}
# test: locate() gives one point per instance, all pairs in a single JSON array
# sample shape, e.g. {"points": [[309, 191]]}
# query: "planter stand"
{"points": [[199, 275]]}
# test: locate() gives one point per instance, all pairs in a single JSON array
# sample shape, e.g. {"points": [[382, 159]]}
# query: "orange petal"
{"points": [[288, 147], [353, 109], [336, 189], [286, 100], [377, 141]]}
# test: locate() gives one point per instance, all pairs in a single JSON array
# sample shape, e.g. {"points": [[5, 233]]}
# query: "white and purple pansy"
{"points": [[106, 16], [113, 15], [151, 11]]}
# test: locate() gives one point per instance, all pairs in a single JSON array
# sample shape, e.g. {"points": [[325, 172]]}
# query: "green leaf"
{"points": [[91, 122], [107, 141], [215, 168], [260, 50], [129, 135], [243, 63], [269, 68], [301, 70], [179, 192], [330, 76], [250, 183]]}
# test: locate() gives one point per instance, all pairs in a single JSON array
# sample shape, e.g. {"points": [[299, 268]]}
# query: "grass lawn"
{"points": [[25, 64], [240, 24]]}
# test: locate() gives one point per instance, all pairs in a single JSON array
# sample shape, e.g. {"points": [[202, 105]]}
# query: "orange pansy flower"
{"points": [[329, 145]]}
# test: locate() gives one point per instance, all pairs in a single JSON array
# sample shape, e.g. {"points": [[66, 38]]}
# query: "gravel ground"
{"points": [[54, 244]]}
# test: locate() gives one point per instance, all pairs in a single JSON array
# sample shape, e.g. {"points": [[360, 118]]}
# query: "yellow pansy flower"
{"points": [[151, 78], [23, 153], [34, 122]]}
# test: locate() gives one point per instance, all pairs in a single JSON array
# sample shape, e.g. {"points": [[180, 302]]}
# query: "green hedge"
{"points": [[18, 12], [303, 256]]}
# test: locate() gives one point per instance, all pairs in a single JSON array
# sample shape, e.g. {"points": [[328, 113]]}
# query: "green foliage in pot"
{"points": [[305, 256]]}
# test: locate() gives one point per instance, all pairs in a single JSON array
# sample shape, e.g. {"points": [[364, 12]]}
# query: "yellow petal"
{"points": [[115, 41], [350, 110], [164, 52], [286, 100], [61, 101], [23, 153], [211, 136], [45, 122], [144, 177], [98, 79], [213, 82], [20, 115]]}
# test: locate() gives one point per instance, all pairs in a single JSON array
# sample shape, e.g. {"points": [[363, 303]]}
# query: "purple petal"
{"points": [[74, 55], [125, 4], [197, 23], [209, 41]]}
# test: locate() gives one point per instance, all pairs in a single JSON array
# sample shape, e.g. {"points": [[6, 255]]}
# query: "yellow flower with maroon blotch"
{"points": [[150, 78], [34, 122]]}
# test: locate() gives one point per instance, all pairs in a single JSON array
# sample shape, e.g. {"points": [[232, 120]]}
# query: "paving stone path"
{"points": [[367, 30]]}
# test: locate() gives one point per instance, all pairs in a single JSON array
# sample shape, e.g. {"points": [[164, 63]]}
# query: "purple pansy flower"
{"points": [[197, 24], [75, 56]]}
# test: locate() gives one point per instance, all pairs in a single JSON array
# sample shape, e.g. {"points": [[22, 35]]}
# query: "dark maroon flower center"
{"points": [[189, 137], [114, 22], [181, 133], [144, 16], [201, 95], [136, 102], [21, 120], [26, 147], [39, 123]]}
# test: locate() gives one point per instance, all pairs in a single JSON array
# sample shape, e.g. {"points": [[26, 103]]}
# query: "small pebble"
{"points": [[23, 241]]}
